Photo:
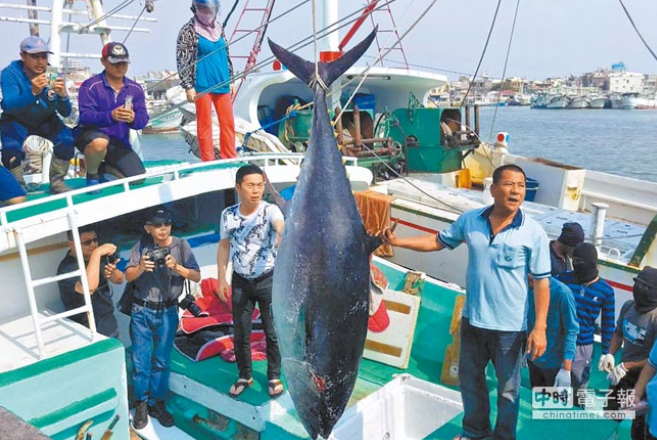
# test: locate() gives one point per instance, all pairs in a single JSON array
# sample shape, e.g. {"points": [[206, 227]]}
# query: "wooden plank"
{"points": [[380, 347], [397, 307]]}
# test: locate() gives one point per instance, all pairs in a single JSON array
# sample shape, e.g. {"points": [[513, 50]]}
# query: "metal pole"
{"points": [[27, 276], [598, 226], [73, 224], [56, 15], [32, 14], [97, 12]]}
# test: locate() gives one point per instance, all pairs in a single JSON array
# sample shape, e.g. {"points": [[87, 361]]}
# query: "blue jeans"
{"points": [[506, 350], [152, 333]]}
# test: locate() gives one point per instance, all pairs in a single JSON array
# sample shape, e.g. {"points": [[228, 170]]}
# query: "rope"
{"points": [[481, 59], [318, 81], [107, 14], [506, 62], [134, 24], [637, 30], [230, 13]]}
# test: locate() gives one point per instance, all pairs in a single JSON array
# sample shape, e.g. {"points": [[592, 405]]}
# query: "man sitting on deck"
{"points": [[30, 104], [111, 105]]}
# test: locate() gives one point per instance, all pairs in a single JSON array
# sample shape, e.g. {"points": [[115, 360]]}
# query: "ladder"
{"points": [[31, 284], [387, 34], [265, 8]]}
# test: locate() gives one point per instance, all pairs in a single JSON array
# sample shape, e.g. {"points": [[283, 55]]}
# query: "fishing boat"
{"points": [[638, 101], [56, 375], [600, 102], [579, 102]]}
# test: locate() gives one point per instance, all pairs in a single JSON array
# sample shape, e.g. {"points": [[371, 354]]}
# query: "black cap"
{"points": [[572, 234], [648, 276], [159, 216]]}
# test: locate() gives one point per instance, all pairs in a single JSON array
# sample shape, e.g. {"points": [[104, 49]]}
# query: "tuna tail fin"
{"points": [[329, 72]]}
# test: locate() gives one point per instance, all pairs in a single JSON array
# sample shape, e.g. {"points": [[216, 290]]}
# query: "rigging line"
{"points": [[383, 55], [230, 13], [293, 47], [134, 24], [506, 62], [645, 43], [437, 69], [481, 59], [292, 9], [107, 14]]}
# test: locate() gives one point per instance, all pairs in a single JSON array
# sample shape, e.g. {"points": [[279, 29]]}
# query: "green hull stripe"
{"points": [[61, 361], [75, 408]]}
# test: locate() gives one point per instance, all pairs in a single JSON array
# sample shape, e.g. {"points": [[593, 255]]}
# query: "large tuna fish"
{"points": [[321, 281]]}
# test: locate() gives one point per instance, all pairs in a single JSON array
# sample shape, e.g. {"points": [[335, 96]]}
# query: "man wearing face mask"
{"points": [[636, 332], [594, 297], [206, 74]]}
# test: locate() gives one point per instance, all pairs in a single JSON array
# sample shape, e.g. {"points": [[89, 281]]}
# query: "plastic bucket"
{"points": [[530, 189]]}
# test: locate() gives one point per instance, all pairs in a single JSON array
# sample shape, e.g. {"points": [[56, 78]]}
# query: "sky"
{"points": [[552, 37]]}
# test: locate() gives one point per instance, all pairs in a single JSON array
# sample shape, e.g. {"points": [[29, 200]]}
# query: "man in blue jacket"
{"points": [[30, 105], [110, 106], [553, 368]]}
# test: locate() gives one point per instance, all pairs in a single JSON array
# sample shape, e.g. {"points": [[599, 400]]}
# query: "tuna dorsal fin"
{"points": [[372, 242], [305, 70]]}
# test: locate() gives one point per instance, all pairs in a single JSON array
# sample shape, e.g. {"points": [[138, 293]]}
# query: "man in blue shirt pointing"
{"points": [[31, 103], [505, 246]]}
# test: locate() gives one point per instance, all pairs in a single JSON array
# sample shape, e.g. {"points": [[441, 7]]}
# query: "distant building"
{"points": [[625, 82]]}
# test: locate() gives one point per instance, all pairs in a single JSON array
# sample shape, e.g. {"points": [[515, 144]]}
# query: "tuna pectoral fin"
{"points": [[305, 70], [278, 200], [372, 242]]}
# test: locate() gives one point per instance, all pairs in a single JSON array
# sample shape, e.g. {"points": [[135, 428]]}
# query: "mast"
{"points": [[56, 15], [32, 15], [328, 46]]}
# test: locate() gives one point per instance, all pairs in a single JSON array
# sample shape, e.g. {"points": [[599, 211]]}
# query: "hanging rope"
{"points": [[643, 40], [318, 79], [230, 13], [481, 59], [134, 24], [506, 62]]}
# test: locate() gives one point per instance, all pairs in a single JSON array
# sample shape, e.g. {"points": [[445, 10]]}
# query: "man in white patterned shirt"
{"points": [[250, 234]]}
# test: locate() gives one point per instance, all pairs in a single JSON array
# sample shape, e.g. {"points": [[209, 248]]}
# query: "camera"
{"points": [[158, 256], [112, 259], [187, 303]]}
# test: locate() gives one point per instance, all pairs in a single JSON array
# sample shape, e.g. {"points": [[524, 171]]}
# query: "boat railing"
{"points": [[168, 174]]}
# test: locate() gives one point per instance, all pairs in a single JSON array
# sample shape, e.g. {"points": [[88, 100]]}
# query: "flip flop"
{"points": [[238, 387], [275, 388]]}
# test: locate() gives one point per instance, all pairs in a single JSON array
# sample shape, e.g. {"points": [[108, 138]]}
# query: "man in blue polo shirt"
{"points": [[505, 246], [110, 105]]}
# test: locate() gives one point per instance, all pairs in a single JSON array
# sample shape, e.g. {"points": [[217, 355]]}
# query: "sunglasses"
{"points": [[159, 225], [88, 242]]}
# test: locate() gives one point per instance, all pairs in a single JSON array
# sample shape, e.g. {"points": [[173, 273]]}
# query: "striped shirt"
{"points": [[593, 300]]}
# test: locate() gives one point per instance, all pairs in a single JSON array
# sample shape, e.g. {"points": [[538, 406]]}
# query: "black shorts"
{"points": [[119, 156]]}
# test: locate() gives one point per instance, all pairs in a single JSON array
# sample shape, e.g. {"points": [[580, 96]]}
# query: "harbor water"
{"points": [[620, 142]]}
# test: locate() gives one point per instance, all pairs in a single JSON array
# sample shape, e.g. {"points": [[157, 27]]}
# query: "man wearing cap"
{"points": [[561, 249], [30, 104], [159, 264], [110, 106], [636, 331], [594, 297]]}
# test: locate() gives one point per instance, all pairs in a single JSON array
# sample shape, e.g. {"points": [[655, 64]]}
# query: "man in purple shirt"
{"points": [[110, 105]]}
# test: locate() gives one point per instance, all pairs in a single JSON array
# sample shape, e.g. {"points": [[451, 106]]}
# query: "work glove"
{"points": [[563, 379], [617, 374], [606, 363]]}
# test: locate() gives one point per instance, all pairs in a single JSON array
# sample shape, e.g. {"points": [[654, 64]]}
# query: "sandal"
{"points": [[275, 388], [238, 387]]}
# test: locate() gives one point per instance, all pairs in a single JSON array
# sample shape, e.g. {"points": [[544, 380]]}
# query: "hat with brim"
{"points": [[159, 216], [34, 45], [116, 53]]}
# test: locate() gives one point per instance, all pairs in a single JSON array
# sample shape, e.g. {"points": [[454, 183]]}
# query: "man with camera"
{"points": [[110, 105], [31, 102], [101, 266], [159, 265]]}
